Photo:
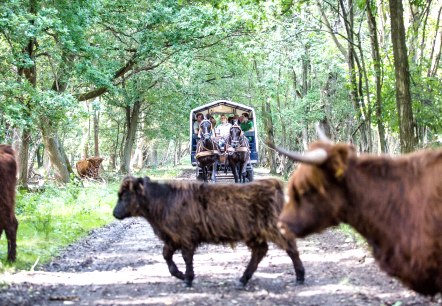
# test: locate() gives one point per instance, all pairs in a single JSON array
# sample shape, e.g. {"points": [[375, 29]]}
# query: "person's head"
{"points": [[199, 117], [240, 119], [245, 117], [223, 118], [210, 117]]}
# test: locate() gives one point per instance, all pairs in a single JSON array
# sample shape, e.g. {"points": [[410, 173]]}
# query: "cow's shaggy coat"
{"points": [[394, 202], [8, 181], [89, 167], [186, 214]]}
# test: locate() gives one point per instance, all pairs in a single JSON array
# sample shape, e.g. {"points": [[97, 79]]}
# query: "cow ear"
{"points": [[139, 186], [338, 159], [142, 185], [127, 184]]}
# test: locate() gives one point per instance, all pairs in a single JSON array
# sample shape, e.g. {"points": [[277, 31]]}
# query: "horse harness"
{"points": [[201, 150]]}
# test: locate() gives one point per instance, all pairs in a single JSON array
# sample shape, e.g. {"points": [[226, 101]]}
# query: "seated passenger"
{"points": [[212, 120], [246, 124], [222, 131], [196, 124]]}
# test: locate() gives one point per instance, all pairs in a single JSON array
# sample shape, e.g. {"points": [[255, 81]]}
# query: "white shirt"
{"points": [[223, 129]]}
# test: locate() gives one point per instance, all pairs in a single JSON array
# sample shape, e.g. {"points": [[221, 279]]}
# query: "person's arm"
{"points": [[251, 128]]}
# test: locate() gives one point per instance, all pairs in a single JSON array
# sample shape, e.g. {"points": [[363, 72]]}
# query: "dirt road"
{"points": [[122, 264]]}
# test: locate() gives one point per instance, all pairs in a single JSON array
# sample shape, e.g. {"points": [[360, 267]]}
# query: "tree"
{"points": [[402, 73]]}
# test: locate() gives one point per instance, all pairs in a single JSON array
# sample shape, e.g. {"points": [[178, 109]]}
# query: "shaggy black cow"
{"points": [[186, 214]]}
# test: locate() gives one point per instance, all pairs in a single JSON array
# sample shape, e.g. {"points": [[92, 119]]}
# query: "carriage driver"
{"points": [[222, 131]]}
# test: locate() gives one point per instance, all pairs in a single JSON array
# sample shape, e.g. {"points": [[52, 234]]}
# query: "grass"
{"points": [[62, 214]]}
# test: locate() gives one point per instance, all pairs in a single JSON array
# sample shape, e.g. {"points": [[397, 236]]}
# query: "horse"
{"points": [[207, 151], [238, 153]]}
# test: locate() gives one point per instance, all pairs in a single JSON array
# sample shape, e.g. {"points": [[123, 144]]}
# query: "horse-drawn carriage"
{"points": [[209, 154]]}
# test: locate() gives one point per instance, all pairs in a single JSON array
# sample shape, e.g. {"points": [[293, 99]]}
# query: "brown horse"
{"points": [[238, 154], [207, 151]]}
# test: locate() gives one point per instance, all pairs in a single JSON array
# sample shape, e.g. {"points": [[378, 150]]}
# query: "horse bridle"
{"points": [[235, 143], [207, 134]]}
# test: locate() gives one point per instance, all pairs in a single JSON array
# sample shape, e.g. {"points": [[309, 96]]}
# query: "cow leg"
{"points": [[259, 250], [293, 253], [188, 259], [168, 251], [11, 236]]}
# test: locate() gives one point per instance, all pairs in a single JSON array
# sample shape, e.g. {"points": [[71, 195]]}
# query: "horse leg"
{"points": [[259, 250], [214, 167], [168, 251], [243, 171], [234, 170], [205, 174]]}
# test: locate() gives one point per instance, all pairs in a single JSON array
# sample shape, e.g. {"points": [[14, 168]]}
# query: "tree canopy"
{"points": [[124, 75]]}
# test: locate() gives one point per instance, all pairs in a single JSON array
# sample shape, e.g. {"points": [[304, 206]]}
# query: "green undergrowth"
{"points": [[352, 233], [59, 215]]}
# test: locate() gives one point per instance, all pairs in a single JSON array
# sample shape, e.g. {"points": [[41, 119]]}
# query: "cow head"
{"points": [[129, 197], [316, 190]]}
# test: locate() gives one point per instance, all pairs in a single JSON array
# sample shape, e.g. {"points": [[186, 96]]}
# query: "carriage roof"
{"points": [[222, 107]]}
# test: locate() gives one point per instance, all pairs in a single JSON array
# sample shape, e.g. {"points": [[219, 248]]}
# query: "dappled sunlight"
{"points": [[157, 273]]}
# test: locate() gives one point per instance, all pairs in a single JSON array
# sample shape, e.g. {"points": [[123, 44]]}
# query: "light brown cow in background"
{"points": [[89, 167], [394, 202]]}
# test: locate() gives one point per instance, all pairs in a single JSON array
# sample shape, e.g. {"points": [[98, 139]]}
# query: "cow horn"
{"points": [[314, 157], [321, 134]]}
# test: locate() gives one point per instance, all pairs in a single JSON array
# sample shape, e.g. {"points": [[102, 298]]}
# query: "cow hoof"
{"points": [[239, 285], [300, 281], [188, 284]]}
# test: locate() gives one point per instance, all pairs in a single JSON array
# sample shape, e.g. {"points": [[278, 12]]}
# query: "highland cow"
{"points": [[8, 221], [186, 214], [394, 202], [89, 167]]}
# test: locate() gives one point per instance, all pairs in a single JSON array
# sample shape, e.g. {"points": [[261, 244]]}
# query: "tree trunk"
{"points": [[355, 89], [154, 155], [39, 153], [96, 127], [403, 96], [268, 123], [113, 155], [377, 75], [30, 74], [56, 156], [435, 48], [132, 124], [23, 157]]}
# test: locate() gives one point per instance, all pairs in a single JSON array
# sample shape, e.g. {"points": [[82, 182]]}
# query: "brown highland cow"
{"points": [[8, 181], [394, 202]]}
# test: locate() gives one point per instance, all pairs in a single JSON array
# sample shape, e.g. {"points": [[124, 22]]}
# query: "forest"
{"points": [[117, 79]]}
